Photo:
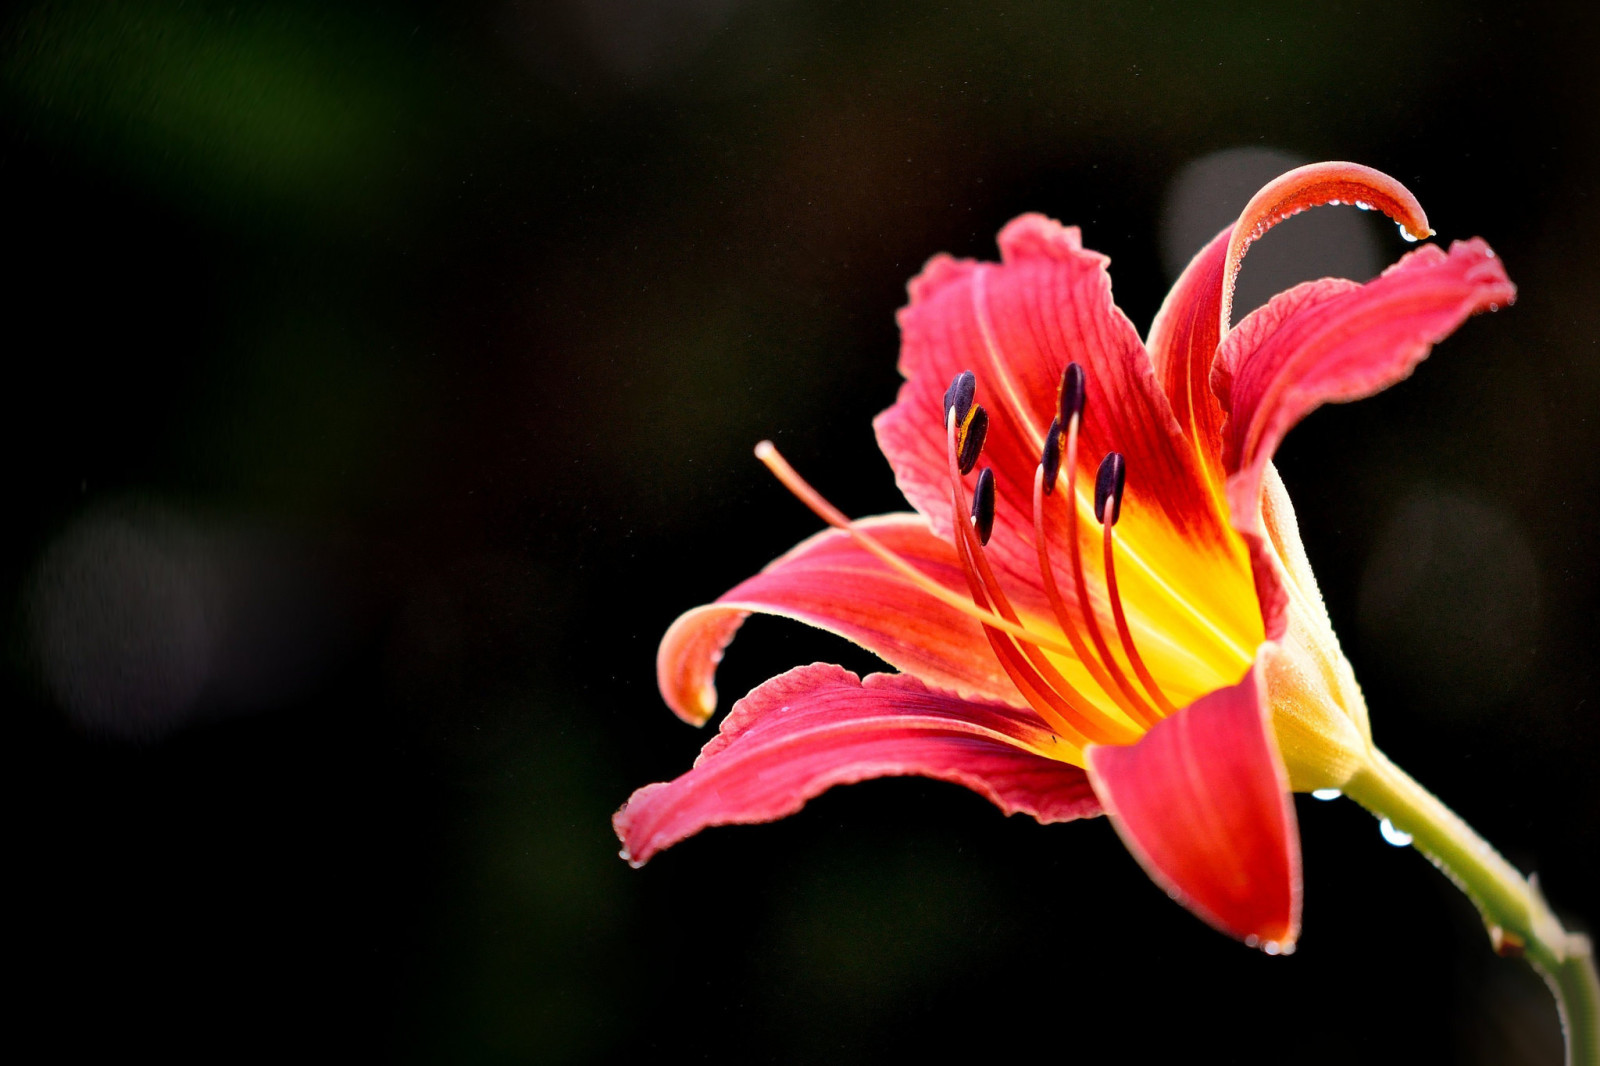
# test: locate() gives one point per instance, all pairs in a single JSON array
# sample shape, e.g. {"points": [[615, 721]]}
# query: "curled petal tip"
{"points": [[686, 662], [1312, 186]]}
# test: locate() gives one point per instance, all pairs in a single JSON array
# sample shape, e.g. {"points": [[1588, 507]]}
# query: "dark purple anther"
{"points": [[971, 440], [959, 396], [1071, 393], [1051, 460], [1108, 484], [983, 506]]}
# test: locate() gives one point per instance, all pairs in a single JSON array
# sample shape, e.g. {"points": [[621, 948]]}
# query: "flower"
{"points": [[1139, 634]]}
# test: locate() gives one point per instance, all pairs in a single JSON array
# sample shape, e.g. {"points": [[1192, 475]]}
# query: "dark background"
{"points": [[381, 382]]}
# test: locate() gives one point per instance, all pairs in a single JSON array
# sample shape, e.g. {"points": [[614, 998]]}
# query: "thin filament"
{"points": [[1124, 632], [1048, 704], [1052, 590], [1136, 706]]}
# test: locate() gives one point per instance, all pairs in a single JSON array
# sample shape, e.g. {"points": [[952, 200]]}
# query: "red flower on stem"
{"points": [[1101, 602]]}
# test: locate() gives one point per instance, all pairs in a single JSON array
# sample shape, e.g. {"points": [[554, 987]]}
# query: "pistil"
{"points": [[790, 478]]}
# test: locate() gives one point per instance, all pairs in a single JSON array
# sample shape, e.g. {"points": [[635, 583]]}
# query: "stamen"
{"points": [[1133, 703], [1312, 186], [1058, 602], [1112, 477], [1035, 690], [1052, 591], [971, 438], [819, 506], [983, 506]]}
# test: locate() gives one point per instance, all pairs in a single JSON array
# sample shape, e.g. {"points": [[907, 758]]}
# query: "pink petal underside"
{"points": [[831, 582], [1183, 344], [1330, 341], [1202, 802], [818, 726], [1016, 324]]}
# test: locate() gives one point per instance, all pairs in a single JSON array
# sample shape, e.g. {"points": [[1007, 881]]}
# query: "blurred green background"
{"points": [[383, 379]]}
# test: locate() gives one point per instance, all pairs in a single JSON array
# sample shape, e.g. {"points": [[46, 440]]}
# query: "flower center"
{"points": [[1056, 699], [1119, 698]]}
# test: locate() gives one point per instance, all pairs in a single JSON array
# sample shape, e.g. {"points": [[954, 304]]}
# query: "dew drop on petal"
{"points": [[1326, 793], [1251, 941], [1405, 234], [1363, 205], [1271, 947], [1398, 837]]}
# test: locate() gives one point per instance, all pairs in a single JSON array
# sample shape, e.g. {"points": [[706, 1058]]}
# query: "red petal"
{"points": [[1017, 324], [830, 582], [1183, 345], [1334, 340], [1202, 802], [818, 726]]}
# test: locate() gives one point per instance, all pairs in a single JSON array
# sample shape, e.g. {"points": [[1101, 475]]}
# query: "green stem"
{"points": [[1519, 920]]}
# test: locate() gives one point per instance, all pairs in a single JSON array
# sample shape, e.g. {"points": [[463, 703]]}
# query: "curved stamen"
{"points": [[1135, 704], [1108, 516], [1312, 186], [1041, 675], [802, 490], [1047, 703], [1052, 590]]}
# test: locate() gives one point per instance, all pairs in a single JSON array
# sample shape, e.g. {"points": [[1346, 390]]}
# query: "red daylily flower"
{"points": [[1139, 635]]}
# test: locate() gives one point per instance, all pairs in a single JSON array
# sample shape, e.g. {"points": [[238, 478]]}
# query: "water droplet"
{"points": [[1363, 205], [1405, 234], [1398, 837], [1326, 793], [1271, 947], [1251, 941], [1494, 307], [1335, 203]]}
